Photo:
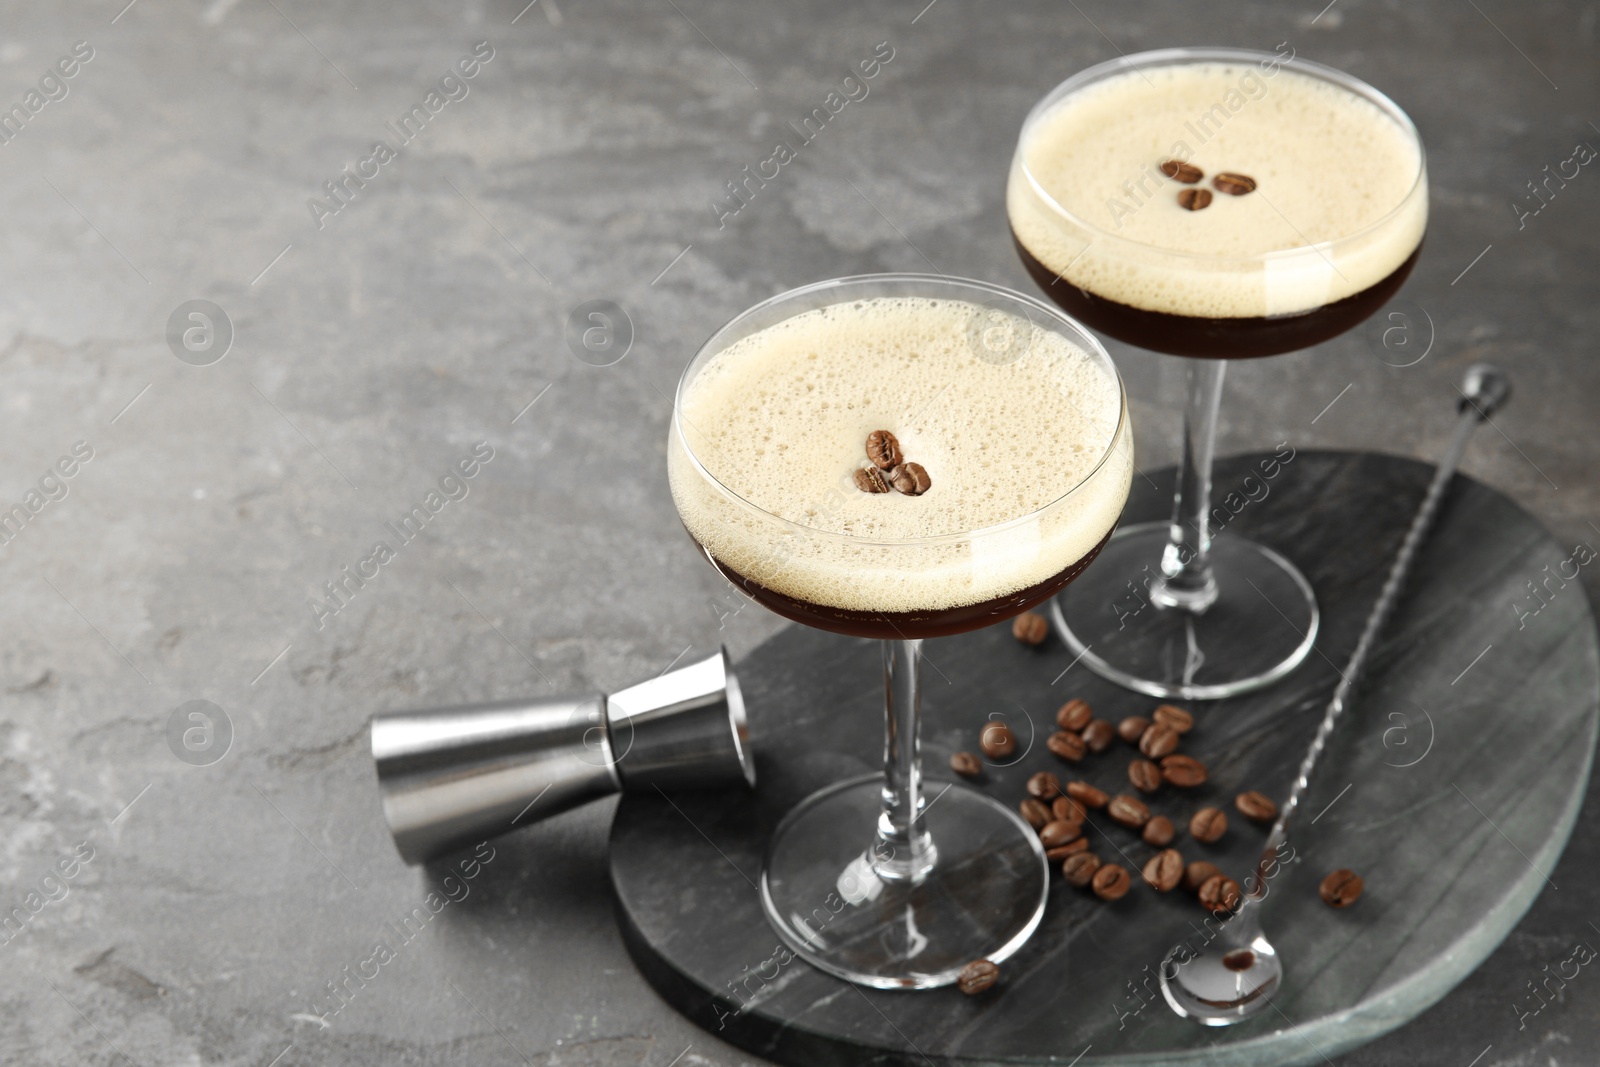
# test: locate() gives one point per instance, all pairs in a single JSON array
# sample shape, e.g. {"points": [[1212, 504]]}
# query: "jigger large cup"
{"points": [[451, 777]]}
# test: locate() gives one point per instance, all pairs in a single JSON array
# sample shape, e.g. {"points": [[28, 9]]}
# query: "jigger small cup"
{"points": [[452, 777]]}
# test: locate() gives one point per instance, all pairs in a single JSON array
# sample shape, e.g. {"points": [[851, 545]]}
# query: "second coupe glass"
{"points": [[1214, 204]]}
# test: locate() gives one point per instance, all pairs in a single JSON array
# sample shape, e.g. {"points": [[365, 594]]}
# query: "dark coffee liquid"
{"points": [[1228, 338], [906, 625]]}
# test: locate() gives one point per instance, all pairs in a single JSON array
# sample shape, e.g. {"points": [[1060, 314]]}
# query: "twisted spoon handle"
{"points": [[1483, 391]]}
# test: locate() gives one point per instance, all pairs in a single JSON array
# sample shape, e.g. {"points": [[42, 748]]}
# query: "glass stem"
{"points": [[904, 850], [1186, 582]]}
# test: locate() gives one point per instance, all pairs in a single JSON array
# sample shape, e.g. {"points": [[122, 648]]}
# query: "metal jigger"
{"points": [[451, 777]]}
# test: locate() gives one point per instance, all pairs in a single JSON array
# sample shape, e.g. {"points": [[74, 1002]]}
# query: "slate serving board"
{"points": [[1452, 787]]}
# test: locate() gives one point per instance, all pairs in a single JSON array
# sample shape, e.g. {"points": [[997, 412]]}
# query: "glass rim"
{"points": [[1177, 56], [1075, 330]]}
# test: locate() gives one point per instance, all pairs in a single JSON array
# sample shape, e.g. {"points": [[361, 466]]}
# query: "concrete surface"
{"points": [[370, 355]]}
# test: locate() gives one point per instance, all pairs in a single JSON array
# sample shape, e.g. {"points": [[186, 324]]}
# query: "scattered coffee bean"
{"points": [[1159, 740], [1034, 813], [1128, 811], [1087, 795], [1219, 893], [1061, 852], [1175, 717], [1240, 959], [1187, 173], [966, 764], [1185, 772], [1066, 744], [910, 478], [1256, 806], [1110, 882], [1078, 869], [1132, 728], [1158, 831], [1194, 199], [1074, 715], [1145, 776], [1044, 786], [1195, 875], [870, 480], [1341, 888], [1057, 833], [883, 449], [977, 976], [1164, 870], [1098, 735], [1066, 809], [1208, 825], [1030, 628], [1234, 184], [996, 740]]}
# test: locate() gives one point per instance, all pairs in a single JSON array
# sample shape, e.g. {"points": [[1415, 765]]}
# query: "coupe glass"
{"points": [[869, 879], [1179, 608]]}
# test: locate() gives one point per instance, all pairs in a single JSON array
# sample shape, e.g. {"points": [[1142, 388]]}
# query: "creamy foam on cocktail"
{"points": [[1088, 200], [779, 418]]}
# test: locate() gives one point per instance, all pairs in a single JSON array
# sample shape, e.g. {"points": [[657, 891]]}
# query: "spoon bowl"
{"points": [[1232, 978]]}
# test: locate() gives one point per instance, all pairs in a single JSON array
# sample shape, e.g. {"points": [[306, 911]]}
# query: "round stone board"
{"points": [[1451, 786]]}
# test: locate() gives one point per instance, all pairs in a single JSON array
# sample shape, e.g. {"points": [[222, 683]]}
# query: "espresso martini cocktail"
{"points": [[1213, 204], [901, 457], [1215, 209], [779, 420]]}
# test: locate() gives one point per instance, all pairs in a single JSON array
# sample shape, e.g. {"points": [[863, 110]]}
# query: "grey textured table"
{"points": [[586, 160]]}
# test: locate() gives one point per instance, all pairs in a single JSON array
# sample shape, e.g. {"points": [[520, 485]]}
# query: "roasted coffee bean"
{"points": [[1056, 833], [966, 764], [1159, 831], [1061, 852], [1164, 870], [1195, 875], [1132, 728], [1110, 882], [1219, 893], [1066, 809], [1187, 173], [1128, 811], [1066, 744], [910, 478], [1208, 825], [977, 976], [1185, 772], [1145, 776], [870, 480], [1045, 786], [1034, 813], [1255, 806], [1234, 184], [1098, 735], [1159, 740], [1341, 888], [1030, 628], [1087, 795], [1175, 717], [996, 740], [883, 448], [1194, 199], [1078, 869], [1240, 959], [1074, 715]]}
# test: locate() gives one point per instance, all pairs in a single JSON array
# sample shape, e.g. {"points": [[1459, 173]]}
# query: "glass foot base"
{"points": [[982, 900], [1258, 629]]}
